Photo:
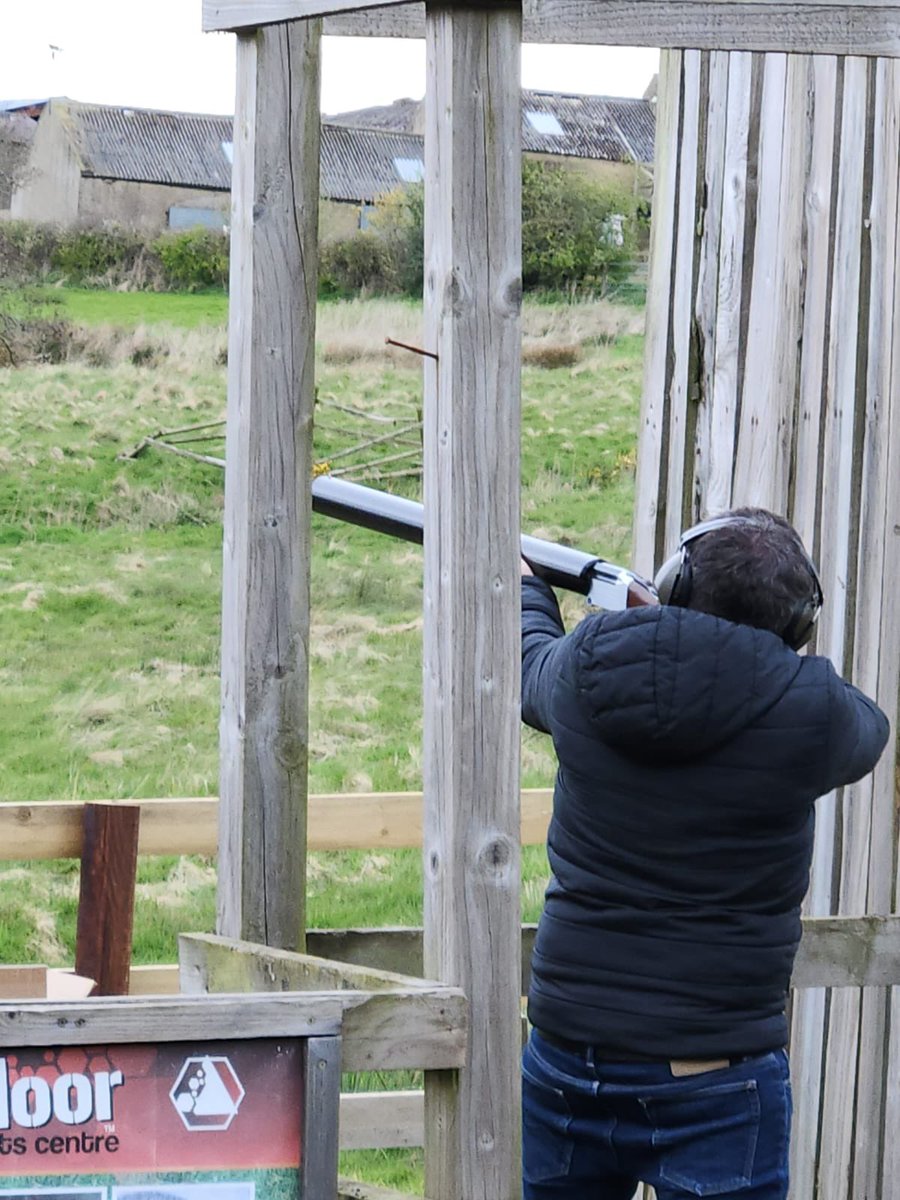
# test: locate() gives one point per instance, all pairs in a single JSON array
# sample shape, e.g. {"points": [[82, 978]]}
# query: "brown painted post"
{"points": [[106, 899]]}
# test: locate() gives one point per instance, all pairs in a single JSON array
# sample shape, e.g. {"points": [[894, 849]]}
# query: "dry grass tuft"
{"points": [[551, 355]]}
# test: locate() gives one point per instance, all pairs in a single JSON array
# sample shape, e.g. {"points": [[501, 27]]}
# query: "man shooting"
{"points": [[692, 743]]}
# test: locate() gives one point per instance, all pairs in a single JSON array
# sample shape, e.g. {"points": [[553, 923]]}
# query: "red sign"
{"points": [[173, 1107]]}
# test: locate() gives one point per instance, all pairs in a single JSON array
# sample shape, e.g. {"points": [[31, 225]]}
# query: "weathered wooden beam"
{"points": [[382, 1120], [49, 829], [235, 15], [236, 961], [865, 27], [185, 1018], [816, 28], [106, 896], [471, 634], [383, 1030], [271, 393]]}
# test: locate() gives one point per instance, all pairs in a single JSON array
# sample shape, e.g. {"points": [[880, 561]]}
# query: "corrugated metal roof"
{"points": [[602, 127], [598, 127], [150, 146], [192, 150], [361, 164]]}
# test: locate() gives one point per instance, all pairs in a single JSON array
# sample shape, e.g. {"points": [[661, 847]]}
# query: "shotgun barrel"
{"points": [[603, 583]]}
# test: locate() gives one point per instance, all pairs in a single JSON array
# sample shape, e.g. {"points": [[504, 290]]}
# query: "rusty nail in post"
{"points": [[414, 349]]}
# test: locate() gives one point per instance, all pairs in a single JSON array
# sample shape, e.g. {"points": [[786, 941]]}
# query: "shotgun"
{"points": [[604, 584]]}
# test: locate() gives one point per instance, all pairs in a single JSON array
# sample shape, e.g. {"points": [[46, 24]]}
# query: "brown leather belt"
{"points": [[680, 1067]]}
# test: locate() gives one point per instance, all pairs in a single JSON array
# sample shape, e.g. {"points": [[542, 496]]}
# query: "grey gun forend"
{"points": [[604, 584]]}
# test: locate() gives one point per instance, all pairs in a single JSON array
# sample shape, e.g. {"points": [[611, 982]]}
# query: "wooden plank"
{"points": [[717, 495], [816, 300], [106, 898], [648, 529], [251, 14], [271, 393], [682, 390], [816, 26], [820, 1105], [352, 1189], [185, 1018], [471, 638], [834, 952], [382, 1120], [848, 952], [320, 1117], [868, 825], [51, 829], [761, 410], [715, 100], [22, 982], [308, 973], [383, 1030]]}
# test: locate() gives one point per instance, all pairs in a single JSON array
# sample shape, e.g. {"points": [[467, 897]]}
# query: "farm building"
{"points": [[17, 130], [153, 170], [608, 137]]}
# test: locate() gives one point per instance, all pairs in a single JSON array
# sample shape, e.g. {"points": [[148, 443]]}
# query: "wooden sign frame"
{"points": [[312, 1022]]}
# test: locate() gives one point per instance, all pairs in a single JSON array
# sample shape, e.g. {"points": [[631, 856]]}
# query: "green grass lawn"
{"points": [[188, 310], [110, 576]]}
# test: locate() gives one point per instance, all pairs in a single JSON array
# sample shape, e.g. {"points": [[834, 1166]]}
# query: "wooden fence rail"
{"points": [[50, 829]]}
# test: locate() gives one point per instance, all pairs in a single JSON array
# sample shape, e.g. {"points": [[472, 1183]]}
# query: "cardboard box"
{"points": [[28, 982]]}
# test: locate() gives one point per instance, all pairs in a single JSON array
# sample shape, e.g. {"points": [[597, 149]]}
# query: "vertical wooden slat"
{"points": [[471, 634], [731, 283], [816, 293], [760, 409], [839, 502], [808, 1008], [647, 542], [265, 617], [877, 646], [716, 99], [106, 897], [682, 384]]}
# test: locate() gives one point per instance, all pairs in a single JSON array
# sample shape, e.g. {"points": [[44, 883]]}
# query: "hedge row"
{"points": [[193, 260], [576, 233]]}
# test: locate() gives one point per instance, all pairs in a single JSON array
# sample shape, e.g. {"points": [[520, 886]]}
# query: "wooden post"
{"points": [[471, 636], [106, 898], [265, 617]]}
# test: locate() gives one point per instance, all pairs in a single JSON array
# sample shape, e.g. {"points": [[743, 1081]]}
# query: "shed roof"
{"points": [[194, 150], [609, 128]]}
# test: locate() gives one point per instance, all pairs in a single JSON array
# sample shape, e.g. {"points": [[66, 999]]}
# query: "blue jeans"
{"points": [[593, 1130]]}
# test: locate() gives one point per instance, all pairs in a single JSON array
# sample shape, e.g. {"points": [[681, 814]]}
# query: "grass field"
{"points": [[110, 582]]}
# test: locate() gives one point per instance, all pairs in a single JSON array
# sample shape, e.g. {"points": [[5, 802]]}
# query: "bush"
{"points": [[194, 259], [85, 255], [26, 250], [575, 231], [356, 264], [400, 222]]}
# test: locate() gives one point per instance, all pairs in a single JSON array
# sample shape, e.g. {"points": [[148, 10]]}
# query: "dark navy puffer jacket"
{"points": [[691, 751]]}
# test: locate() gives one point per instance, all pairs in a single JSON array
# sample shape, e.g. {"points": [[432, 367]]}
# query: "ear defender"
{"points": [[673, 582]]}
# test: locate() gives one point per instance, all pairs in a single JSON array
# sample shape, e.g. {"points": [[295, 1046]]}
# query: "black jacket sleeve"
{"points": [[544, 645], [859, 733]]}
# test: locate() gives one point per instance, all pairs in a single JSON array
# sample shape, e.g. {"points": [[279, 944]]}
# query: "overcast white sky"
{"points": [[154, 56]]}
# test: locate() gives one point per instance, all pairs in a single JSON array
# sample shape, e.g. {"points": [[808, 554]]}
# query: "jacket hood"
{"points": [[668, 684]]}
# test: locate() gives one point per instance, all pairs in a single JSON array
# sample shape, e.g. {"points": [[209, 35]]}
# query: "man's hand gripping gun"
{"points": [[603, 584]]}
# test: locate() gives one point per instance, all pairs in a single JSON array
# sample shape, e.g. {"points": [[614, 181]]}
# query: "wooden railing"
{"points": [[860, 951]]}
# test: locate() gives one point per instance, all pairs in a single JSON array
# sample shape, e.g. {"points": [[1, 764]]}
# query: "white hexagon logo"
{"points": [[207, 1094]]}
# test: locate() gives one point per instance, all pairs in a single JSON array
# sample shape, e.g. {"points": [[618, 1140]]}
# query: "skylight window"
{"points": [[228, 151], [544, 122], [410, 170]]}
